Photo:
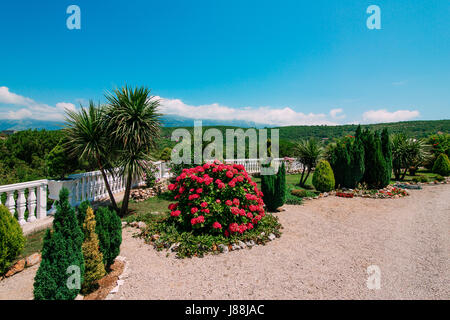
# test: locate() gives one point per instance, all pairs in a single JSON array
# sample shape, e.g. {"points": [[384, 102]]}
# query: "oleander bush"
{"points": [[216, 198], [323, 178], [12, 240], [442, 165]]}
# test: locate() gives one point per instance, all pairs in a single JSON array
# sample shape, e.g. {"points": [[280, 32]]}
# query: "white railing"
{"points": [[91, 186], [35, 201], [254, 165]]}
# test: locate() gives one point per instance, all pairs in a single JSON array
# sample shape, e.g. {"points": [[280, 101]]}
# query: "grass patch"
{"points": [[420, 176], [192, 243], [152, 205], [33, 244]]}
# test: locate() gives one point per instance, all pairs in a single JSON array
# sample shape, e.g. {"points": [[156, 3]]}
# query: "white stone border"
{"points": [[121, 279]]}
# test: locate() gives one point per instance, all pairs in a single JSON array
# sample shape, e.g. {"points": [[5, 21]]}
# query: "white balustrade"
{"points": [[35, 203]]}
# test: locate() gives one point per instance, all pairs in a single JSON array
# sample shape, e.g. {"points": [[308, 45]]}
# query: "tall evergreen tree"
{"points": [[61, 250], [375, 164], [387, 153]]}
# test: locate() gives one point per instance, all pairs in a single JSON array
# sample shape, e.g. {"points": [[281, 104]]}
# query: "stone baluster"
{"points": [[31, 204], [21, 206], [41, 201], [10, 203]]}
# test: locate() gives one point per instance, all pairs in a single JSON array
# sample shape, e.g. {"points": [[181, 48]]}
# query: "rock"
{"points": [[223, 248], [272, 237], [79, 297], [155, 237], [142, 225], [242, 245], [17, 267], [120, 282], [263, 234], [235, 247], [134, 224], [325, 194], [35, 258], [281, 209], [250, 243], [124, 224], [174, 246]]}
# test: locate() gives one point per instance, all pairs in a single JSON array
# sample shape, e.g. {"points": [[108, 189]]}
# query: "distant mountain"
{"points": [[24, 124], [167, 120]]}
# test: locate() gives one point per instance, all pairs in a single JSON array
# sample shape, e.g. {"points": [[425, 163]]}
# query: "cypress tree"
{"points": [[61, 249], [375, 164], [387, 153], [274, 188], [93, 258], [109, 230], [357, 167]]}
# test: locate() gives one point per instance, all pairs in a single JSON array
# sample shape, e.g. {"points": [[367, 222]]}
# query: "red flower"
{"points": [[228, 203], [217, 200], [175, 213], [217, 225], [229, 174], [172, 186], [236, 201], [194, 210], [204, 204]]}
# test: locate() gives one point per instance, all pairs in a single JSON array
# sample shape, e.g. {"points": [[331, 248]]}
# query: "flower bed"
{"points": [[344, 194], [218, 206]]}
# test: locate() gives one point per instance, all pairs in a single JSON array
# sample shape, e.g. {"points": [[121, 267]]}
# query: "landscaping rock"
{"points": [[79, 297], [223, 248], [17, 267], [142, 225], [242, 245], [124, 224], [174, 246], [272, 237], [134, 224], [235, 247], [250, 243], [155, 237], [35, 258]]}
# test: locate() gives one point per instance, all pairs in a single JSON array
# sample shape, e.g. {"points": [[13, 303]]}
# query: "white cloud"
{"points": [[383, 115], [31, 108], [337, 113], [265, 115]]}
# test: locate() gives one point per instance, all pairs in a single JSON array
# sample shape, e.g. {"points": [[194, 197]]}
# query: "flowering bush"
{"points": [[216, 198]]}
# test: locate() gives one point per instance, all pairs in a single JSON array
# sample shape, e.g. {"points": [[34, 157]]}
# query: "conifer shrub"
{"points": [[442, 165], [61, 250], [274, 188], [81, 212], [12, 240], [109, 230], [375, 164], [323, 178], [93, 258]]}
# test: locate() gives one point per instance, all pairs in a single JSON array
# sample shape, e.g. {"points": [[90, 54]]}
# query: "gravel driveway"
{"points": [[324, 252], [326, 247]]}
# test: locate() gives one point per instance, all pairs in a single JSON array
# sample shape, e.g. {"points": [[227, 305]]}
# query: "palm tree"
{"points": [[133, 123], [407, 152], [87, 139], [308, 153]]}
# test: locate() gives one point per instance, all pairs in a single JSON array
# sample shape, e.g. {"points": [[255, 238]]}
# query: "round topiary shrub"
{"points": [[216, 198], [12, 240], [442, 165], [323, 178]]}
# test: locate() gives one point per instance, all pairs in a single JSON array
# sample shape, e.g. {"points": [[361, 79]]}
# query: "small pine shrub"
{"points": [[93, 258], [61, 250], [109, 230], [12, 240], [442, 165], [81, 212], [323, 178]]}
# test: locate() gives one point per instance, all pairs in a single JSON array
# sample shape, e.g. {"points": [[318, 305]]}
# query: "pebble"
{"points": [[223, 248], [272, 237]]}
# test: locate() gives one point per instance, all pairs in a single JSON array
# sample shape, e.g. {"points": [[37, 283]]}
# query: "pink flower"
{"points": [[221, 185], [218, 201], [228, 202], [194, 210], [199, 190], [204, 204], [217, 225], [172, 186], [229, 174], [200, 219], [236, 201], [232, 184], [175, 213]]}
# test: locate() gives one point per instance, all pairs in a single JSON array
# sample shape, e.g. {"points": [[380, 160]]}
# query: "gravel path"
{"points": [[324, 252]]}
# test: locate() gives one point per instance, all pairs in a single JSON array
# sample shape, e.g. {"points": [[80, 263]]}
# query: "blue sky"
{"points": [[279, 62]]}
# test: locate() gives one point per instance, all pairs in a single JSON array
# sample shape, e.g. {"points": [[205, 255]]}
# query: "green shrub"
{"points": [[81, 212], [376, 167], [273, 188], [299, 193], [109, 230], [93, 258], [61, 250], [323, 178], [439, 178], [422, 179], [442, 165], [12, 240]]}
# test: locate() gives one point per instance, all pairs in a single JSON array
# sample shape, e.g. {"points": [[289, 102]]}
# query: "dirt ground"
{"points": [[324, 252]]}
